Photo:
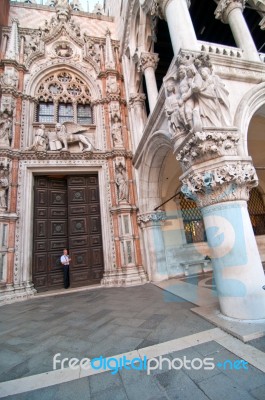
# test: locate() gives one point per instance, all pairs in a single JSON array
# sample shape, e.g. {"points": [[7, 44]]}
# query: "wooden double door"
{"points": [[67, 215]]}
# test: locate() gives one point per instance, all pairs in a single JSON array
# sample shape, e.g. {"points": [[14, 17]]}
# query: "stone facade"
{"points": [[160, 130]]}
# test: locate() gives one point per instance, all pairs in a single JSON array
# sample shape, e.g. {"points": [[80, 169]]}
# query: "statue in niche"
{"points": [[3, 188], [122, 183], [5, 129], [199, 97], [116, 132], [40, 140]]}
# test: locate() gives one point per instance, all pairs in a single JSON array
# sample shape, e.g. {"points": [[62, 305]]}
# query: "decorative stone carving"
{"points": [[40, 140], [153, 216], [69, 132], [4, 184], [63, 50], [63, 86], [98, 9], [110, 62], [76, 5], [116, 132], [225, 6], [196, 97], [9, 79], [148, 60], [206, 145], [12, 52], [231, 181], [137, 98], [121, 181], [5, 128], [63, 10], [112, 85], [115, 111], [90, 48]]}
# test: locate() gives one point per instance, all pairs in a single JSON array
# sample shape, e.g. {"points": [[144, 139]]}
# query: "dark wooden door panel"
{"points": [[67, 213]]}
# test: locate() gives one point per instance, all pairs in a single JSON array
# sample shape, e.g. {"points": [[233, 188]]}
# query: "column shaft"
{"points": [[180, 26], [151, 87], [242, 35]]}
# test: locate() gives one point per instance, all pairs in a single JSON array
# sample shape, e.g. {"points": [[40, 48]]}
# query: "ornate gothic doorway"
{"points": [[67, 215]]}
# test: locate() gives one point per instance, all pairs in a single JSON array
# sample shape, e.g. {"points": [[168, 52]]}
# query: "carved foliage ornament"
{"points": [[203, 146], [148, 60], [231, 181], [152, 217], [225, 6]]}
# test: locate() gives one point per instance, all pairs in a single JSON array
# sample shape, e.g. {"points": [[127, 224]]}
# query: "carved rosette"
{"points": [[153, 218], [206, 145], [226, 6], [148, 60], [229, 182]]}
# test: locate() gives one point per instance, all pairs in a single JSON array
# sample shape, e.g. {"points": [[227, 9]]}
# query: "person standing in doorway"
{"points": [[65, 260]]}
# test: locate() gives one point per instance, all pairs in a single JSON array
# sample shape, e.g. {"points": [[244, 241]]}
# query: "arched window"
{"points": [[192, 220], [256, 211], [64, 97]]}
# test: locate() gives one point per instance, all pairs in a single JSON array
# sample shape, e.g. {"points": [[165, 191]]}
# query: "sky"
{"points": [[91, 4]]}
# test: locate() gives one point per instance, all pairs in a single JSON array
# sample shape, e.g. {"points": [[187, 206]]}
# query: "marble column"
{"points": [[231, 12], [176, 13], [147, 64], [155, 256], [221, 189], [137, 105]]}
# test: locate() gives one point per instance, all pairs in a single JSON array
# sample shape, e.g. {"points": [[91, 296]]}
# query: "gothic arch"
{"points": [[40, 74], [156, 150], [247, 107]]}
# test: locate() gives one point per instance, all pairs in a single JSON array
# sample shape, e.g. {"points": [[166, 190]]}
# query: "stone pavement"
{"points": [[112, 321]]}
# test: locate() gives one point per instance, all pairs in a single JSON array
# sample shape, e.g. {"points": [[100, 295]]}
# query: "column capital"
{"points": [[148, 60], [228, 181], [152, 217], [226, 6], [157, 7], [137, 99]]}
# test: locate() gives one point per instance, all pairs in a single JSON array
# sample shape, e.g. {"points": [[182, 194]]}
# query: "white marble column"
{"points": [[231, 12], [137, 106], [180, 25], [147, 64]]}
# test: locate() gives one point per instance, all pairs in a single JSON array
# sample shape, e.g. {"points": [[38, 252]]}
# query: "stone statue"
{"points": [[116, 132], [53, 142], [3, 189], [40, 140], [122, 183], [199, 97], [69, 132], [5, 129]]}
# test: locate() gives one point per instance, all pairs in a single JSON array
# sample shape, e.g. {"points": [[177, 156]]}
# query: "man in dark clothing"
{"points": [[65, 260]]}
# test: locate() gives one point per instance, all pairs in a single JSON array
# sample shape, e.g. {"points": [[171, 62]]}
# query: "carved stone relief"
{"points": [[60, 138], [196, 97]]}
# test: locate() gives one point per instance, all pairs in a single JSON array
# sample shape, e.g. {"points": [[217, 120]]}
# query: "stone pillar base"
{"points": [[130, 276], [11, 294]]}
